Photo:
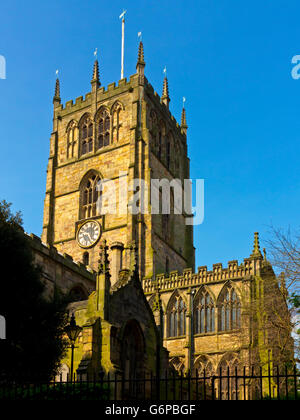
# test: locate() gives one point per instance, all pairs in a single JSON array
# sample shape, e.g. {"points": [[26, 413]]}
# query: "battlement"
{"points": [[164, 109], [113, 89], [103, 94], [64, 259], [175, 280]]}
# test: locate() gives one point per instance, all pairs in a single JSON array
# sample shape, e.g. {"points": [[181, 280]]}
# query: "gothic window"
{"points": [[71, 139], [229, 308], [203, 364], [204, 313], [177, 364], [103, 129], [89, 196], [177, 317], [116, 122], [153, 120], [86, 135], [228, 367]]}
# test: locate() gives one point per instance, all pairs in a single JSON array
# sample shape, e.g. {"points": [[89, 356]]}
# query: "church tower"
{"points": [[121, 138]]}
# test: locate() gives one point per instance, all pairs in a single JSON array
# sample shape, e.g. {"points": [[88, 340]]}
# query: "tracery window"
{"points": [[177, 317], [204, 313], [228, 367], [229, 310], [103, 129], [90, 193], [116, 122], [177, 364], [203, 364], [86, 135], [153, 120], [71, 139]]}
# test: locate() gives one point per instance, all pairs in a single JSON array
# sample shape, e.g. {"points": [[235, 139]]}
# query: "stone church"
{"points": [[136, 294]]}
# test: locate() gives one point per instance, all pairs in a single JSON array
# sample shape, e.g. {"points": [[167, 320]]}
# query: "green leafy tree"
{"points": [[34, 341]]}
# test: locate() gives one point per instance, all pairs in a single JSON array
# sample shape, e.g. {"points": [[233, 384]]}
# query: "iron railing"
{"points": [[237, 384]]}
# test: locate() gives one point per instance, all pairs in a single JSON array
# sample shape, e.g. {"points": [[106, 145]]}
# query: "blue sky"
{"points": [[231, 59]]}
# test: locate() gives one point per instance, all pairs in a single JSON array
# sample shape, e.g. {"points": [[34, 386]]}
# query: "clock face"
{"points": [[88, 234]]}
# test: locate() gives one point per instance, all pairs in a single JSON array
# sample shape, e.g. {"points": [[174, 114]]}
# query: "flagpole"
{"points": [[122, 16]]}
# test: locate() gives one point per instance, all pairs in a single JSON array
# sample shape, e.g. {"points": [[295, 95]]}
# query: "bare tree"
{"points": [[284, 249]]}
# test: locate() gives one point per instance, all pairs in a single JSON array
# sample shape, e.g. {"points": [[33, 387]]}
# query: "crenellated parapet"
{"points": [[175, 280], [59, 271], [164, 109], [103, 94]]}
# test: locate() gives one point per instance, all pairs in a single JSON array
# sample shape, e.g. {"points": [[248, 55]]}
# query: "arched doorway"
{"points": [[132, 356]]}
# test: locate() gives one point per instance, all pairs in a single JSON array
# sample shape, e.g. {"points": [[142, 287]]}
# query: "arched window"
{"points": [[177, 364], [89, 196], [86, 135], [177, 317], [229, 308], [203, 364], [103, 129], [71, 139], [204, 313], [153, 120], [228, 367], [116, 122]]}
